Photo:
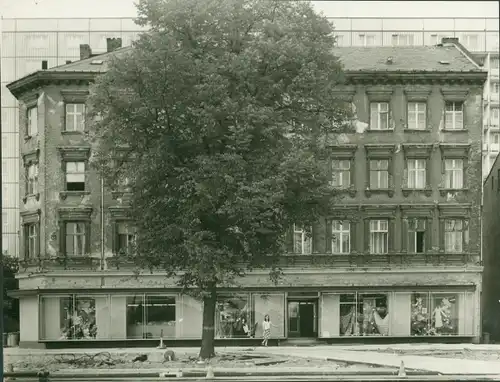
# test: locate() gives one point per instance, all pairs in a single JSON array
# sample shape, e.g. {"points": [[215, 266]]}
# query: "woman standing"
{"points": [[266, 327]]}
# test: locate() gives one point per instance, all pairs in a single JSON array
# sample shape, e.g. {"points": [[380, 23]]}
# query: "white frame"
{"points": [[32, 114], [341, 233], [376, 227], [418, 111], [378, 170], [453, 117], [32, 237], [382, 111], [416, 170], [80, 172], [453, 167], [74, 235], [454, 235], [130, 235], [341, 172], [306, 242], [32, 183], [412, 235], [72, 116]]}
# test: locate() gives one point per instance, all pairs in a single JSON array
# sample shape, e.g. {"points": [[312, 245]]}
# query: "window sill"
{"points": [[379, 131], [350, 190], [119, 194], [376, 191], [417, 130], [30, 196], [69, 132], [444, 191], [64, 194], [427, 191], [454, 130]]}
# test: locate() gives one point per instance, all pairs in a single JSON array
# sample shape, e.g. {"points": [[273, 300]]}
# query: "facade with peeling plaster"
{"points": [[400, 260], [491, 252]]}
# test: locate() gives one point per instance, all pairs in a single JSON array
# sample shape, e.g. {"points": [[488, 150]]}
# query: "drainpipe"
{"points": [[102, 222]]}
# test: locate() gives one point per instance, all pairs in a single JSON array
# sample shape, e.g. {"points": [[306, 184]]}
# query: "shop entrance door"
{"points": [[302, 318]]}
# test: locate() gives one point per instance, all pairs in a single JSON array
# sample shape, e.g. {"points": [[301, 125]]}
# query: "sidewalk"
{"points": [[427, 363]]}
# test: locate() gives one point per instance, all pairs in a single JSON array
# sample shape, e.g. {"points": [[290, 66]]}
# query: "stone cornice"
{"points": [[343, 151], [30, 216], [42, 78], [74, 153], [379, 151], [417, 150], [31, 157], [454, 150], [393, 78], [450, 210]]}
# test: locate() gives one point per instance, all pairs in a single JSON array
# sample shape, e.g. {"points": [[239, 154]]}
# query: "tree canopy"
{"points": [[220, 117]]}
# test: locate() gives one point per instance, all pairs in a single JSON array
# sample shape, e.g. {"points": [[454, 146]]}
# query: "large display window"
{"points": [[233, 317], [434, 314], [150, 316], [364, 314]]}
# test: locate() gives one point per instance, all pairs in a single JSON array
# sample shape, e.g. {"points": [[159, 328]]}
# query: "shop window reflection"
{"points": [[434, 314], [363, 314], [78, 318], [233, 317], [135, 316], [149, 315]]}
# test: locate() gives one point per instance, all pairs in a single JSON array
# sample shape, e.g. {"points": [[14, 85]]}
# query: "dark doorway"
{"points": [[302, 318]]}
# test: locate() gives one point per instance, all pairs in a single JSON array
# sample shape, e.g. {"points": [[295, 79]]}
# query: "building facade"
{"points": [[26, 43], [491, 251], [400, 258]]}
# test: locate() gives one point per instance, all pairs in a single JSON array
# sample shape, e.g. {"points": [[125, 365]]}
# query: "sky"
{"points": [[126, 8]]}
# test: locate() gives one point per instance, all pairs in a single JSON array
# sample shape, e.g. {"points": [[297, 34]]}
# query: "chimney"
{"points": [[45, 64], [85, 51], [449, 40], [113, 44]]}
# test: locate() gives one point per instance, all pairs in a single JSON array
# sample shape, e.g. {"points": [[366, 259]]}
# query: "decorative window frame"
{"points": [[117, 215], [454, 94], [380, 94], [459, 211], [32, 157], [417, 151], [381, 212], [351, 214], [346, 152], [454, 151], [74, 154], [418, 211], [417, 95], [27, 218], [380, 152], [74, 215], [73, 96], [30, 102]]}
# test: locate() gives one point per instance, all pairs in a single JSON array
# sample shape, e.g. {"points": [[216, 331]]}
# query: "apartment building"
{"points": [[28, 44], [400, 258]]}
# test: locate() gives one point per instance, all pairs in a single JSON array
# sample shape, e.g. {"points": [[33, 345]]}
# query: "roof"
{"points": [[436, 58], [97, 64]]}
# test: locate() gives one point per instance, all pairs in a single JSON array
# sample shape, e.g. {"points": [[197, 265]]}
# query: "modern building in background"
{"points": [[399, 257], [27, 44]]}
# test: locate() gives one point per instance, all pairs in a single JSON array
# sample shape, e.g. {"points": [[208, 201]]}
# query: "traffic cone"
{"points": [[161, 345], [210, 372], [402, 371]]}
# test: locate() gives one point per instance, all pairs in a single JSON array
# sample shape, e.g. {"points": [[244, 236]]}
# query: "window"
{"points": [[366, 39], [364, 314], [416, 173], [159, 316], [495, 141], [32, 121], [302, 242], [233, 317], [32, 179], [416, 235], [453, 173], [75, 116], [379, 174], [75, 176], [494, 87], [379, 116], [402, 39], [417, 115], [454, 116], [125, 240], [76, 238], [31, 240], [494, 62], [341, 236], [5, 174], [341, 173], [379, 236], [434, 314], [471, 41], [455, 234], [436, 38]]}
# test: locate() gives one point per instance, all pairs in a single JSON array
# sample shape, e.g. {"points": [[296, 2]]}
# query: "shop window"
{"points": [[364, 314], [434, 314], [233, 318], [75, 176], [454, 116], [302, 240], [341, 173], [379, 174], [78, 318], [150, 316], [135, 316]]}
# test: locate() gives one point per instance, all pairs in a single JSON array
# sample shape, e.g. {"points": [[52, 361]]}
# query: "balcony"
{"points": [[337, 261]]}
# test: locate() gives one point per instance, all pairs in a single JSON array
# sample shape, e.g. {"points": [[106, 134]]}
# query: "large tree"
{"points": [[220, 116]]}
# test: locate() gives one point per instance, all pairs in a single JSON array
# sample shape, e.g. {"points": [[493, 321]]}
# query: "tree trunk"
{"points": [[207, 350]]}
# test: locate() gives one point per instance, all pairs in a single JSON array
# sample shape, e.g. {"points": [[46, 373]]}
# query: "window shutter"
{"points": [[114, 239], [373, 116], [366, 234], [405, 173], [37, 242], [328, 235], [87, 238], [464, 173], [404, 236], [24, 241], [428, 167], [288, 238], [352, 239], [390, 171], [62, 238], [428, 235], [441, 234], [392, 236]]}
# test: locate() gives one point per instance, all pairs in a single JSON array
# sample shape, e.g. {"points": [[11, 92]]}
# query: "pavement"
{"points": [[359, 354]]}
